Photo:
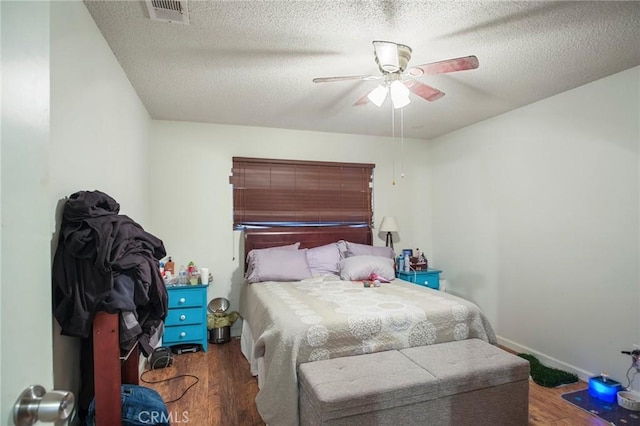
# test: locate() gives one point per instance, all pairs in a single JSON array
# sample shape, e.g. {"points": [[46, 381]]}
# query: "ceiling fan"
{"points": [[392, 59]]}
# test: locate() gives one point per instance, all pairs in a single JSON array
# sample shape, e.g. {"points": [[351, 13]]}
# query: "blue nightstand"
{"points": [[429, 278], [186, 321]]}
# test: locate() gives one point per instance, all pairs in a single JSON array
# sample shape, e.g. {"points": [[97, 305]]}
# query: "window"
{"points": [[268, 192]]}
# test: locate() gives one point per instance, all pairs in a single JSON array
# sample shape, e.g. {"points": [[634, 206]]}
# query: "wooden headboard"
{"points": [[308, 237]]}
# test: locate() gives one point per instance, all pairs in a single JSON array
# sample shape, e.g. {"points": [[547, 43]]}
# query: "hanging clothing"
{"points": [[98, 246]]}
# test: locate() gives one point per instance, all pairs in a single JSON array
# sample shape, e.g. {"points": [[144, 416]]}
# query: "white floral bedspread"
{"points": [[321, 318]]}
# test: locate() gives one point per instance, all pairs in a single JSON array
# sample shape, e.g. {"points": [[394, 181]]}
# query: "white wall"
{"points": [[99, 139], [192, 199], [536, 218], [100, 129]]}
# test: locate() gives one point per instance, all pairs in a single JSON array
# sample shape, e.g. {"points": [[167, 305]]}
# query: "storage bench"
{"points": [[468, 382]]}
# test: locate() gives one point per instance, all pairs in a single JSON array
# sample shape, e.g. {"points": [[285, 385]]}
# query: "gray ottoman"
{"points": [[478, 383], [468, 382], [377, 388]]}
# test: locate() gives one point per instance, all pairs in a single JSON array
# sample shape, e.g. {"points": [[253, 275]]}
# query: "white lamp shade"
{"points": [[399, 94], [388, 224], [378, 95], [401, 102], [387, 55]]}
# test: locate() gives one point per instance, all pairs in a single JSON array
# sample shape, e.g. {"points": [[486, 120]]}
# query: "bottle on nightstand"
{"points": [[423, 259], [182, 276], [170, 267]]}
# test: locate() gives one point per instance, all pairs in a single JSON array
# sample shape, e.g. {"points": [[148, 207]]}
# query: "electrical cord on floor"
{"points": [[169, 379]]}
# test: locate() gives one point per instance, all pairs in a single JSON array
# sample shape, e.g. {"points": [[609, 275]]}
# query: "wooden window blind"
{"points": [[268, 192]]}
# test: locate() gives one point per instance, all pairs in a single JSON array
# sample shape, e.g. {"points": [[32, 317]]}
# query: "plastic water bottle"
{"points": [[182, 276]]}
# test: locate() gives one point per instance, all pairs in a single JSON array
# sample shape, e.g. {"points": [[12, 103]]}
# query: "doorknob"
{"points": [[35, 404]]}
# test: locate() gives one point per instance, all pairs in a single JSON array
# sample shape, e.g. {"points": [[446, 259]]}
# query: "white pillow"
{"points": [[355, 249], [357, 268]]}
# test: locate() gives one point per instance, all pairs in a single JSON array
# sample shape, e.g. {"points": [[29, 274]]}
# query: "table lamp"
{"points": [[389, 225]]}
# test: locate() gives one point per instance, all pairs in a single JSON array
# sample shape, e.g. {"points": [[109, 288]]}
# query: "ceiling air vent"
{"points": [[174, 11]]}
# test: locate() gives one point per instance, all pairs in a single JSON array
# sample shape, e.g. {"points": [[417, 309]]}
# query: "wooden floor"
{"points": [[225, 392]]}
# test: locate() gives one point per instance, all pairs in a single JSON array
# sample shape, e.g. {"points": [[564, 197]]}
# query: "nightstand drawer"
{"points": [[185, 316], [429, 278], [173, 335], [185, 298]]}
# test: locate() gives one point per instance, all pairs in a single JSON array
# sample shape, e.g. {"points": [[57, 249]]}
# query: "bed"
{"points": [[286, 323]]}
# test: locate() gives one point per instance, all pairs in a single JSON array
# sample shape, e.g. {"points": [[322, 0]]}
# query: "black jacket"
{"points": [[95, 245]]}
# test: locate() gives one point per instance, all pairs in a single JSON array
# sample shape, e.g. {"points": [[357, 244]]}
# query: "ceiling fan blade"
{"points": [[346, 78], [441, 67], [362, 101], [426, 92]]}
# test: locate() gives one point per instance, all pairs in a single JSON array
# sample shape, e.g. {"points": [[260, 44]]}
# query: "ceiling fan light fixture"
{"points": [[387, 55], [391, 57], [399, 94], [378, 95], [404, 55], [401, 102]]}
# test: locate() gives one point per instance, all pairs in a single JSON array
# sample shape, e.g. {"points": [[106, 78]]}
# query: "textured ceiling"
{"points": [[252, 62]]}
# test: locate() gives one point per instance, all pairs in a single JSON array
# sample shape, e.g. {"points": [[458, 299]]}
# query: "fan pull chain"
{"points": [[393, 138], [402, 143]]}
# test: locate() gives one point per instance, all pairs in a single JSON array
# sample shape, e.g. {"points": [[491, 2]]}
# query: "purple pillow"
{"points": [[253, 252], [278, 265], [358, 268], [355, 249], [324, 259], [256, 252]]}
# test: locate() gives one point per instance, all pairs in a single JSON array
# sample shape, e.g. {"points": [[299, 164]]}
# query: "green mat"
{"points": [[547, 376]]}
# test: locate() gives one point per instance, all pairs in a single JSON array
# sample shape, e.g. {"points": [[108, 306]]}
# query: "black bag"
{"points": [[161, 358]]}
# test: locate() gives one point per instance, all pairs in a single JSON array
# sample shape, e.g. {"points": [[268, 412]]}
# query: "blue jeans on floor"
{"points": [[141, 406]]}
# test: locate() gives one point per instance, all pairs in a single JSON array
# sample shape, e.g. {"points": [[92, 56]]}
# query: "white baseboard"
{"points": [[545, 359]]}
